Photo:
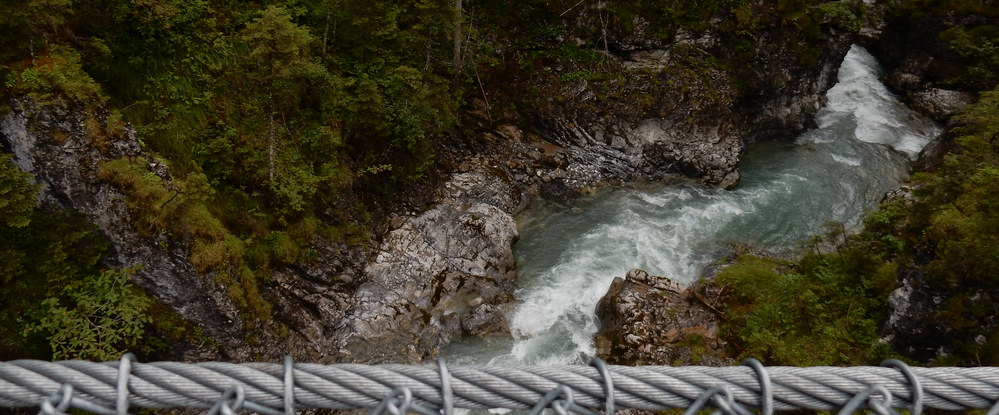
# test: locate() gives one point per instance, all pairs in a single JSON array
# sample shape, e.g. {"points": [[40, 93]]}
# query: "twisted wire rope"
{"points": [[279, 388]]}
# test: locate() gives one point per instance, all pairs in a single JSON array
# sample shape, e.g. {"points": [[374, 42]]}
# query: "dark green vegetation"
{"points": [[287, 122], [280, 122], [56, 300], [828, 308], [950, 236], [290, 121], [825, 309]]}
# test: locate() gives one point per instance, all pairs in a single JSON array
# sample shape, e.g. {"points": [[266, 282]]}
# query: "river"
{"points": [[568, 255]]}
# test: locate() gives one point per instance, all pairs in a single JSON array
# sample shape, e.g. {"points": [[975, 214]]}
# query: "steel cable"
{"points": [[264, 387]]}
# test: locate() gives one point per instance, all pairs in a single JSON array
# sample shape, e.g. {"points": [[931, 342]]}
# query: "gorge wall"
{"points": [[448, 270]]}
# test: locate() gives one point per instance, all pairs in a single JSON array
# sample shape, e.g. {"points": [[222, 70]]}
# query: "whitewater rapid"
{"points": [[568, 256]]}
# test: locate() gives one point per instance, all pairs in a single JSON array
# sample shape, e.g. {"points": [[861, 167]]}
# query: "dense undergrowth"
{"points": [[287, 122], [943, 238], [824, 309], [828, 308]]}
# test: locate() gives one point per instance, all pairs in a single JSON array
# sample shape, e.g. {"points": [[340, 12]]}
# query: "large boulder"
{"points": [[650, 320], [442, 273]]}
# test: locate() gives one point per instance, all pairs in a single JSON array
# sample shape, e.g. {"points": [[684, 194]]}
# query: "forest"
{"points": [[283, 121]]}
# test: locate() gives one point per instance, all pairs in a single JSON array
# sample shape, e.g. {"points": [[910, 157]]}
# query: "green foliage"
{"points": [[811, 313], [979, 46], [824, 308], [17, 194], [844, 15], [182, 208], [99, 317], [54, 78], [951, 233], [56, 302], [278, 48], [967, 27], [958, 206]]}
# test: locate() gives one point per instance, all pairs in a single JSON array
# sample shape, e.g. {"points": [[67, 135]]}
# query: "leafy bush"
{"points": [[56, 301], [99, 317], [815, 312], [55, 78], [979, 46], [17, 194]]}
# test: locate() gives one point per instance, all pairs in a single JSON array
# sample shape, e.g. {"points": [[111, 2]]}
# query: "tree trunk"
{"points": [[326, 30], [270, 139], [457, 38]]}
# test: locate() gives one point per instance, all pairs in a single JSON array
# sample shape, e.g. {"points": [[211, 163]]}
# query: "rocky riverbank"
{"points": [[673, 110], [446, 271]]}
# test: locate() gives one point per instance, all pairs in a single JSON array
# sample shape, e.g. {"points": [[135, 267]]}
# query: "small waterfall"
{"points": [[568, 257]]}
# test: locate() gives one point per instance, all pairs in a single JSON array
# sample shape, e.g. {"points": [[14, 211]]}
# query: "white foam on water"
{"points": [[849, 161], [880, 118], [568, 258]]}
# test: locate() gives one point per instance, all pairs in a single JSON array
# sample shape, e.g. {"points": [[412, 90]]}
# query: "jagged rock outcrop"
{"points": [[444, 272], [650, 320], [922, 65], [673, 111], [54, 145], [57, 146]]}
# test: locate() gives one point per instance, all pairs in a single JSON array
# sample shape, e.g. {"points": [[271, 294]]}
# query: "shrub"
{"points": [[99, 317], [790, 314], [55, 78]]}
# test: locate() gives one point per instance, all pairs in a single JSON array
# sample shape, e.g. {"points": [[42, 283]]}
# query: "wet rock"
{"points": [[486, 319], [651, 320], [685, 126], [923, 66], [940, 104], [437, 264]]}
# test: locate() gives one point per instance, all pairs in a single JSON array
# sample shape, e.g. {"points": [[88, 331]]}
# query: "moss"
{"points": [[795, 314], [56, 77], [259, 307], [181, 209], [209, 255]]}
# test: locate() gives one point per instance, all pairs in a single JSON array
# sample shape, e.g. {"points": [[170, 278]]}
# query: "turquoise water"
{"points": [[568, 256]]}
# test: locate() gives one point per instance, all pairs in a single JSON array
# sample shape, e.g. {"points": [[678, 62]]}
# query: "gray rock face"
{"points": [[447, 271], [651, 149], [309, 300], [313, 300], [940, 104], [701, 119], [67, 167], [650, 320]]}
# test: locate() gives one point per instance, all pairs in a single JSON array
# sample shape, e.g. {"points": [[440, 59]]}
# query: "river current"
{"points": [[568, 256]]}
